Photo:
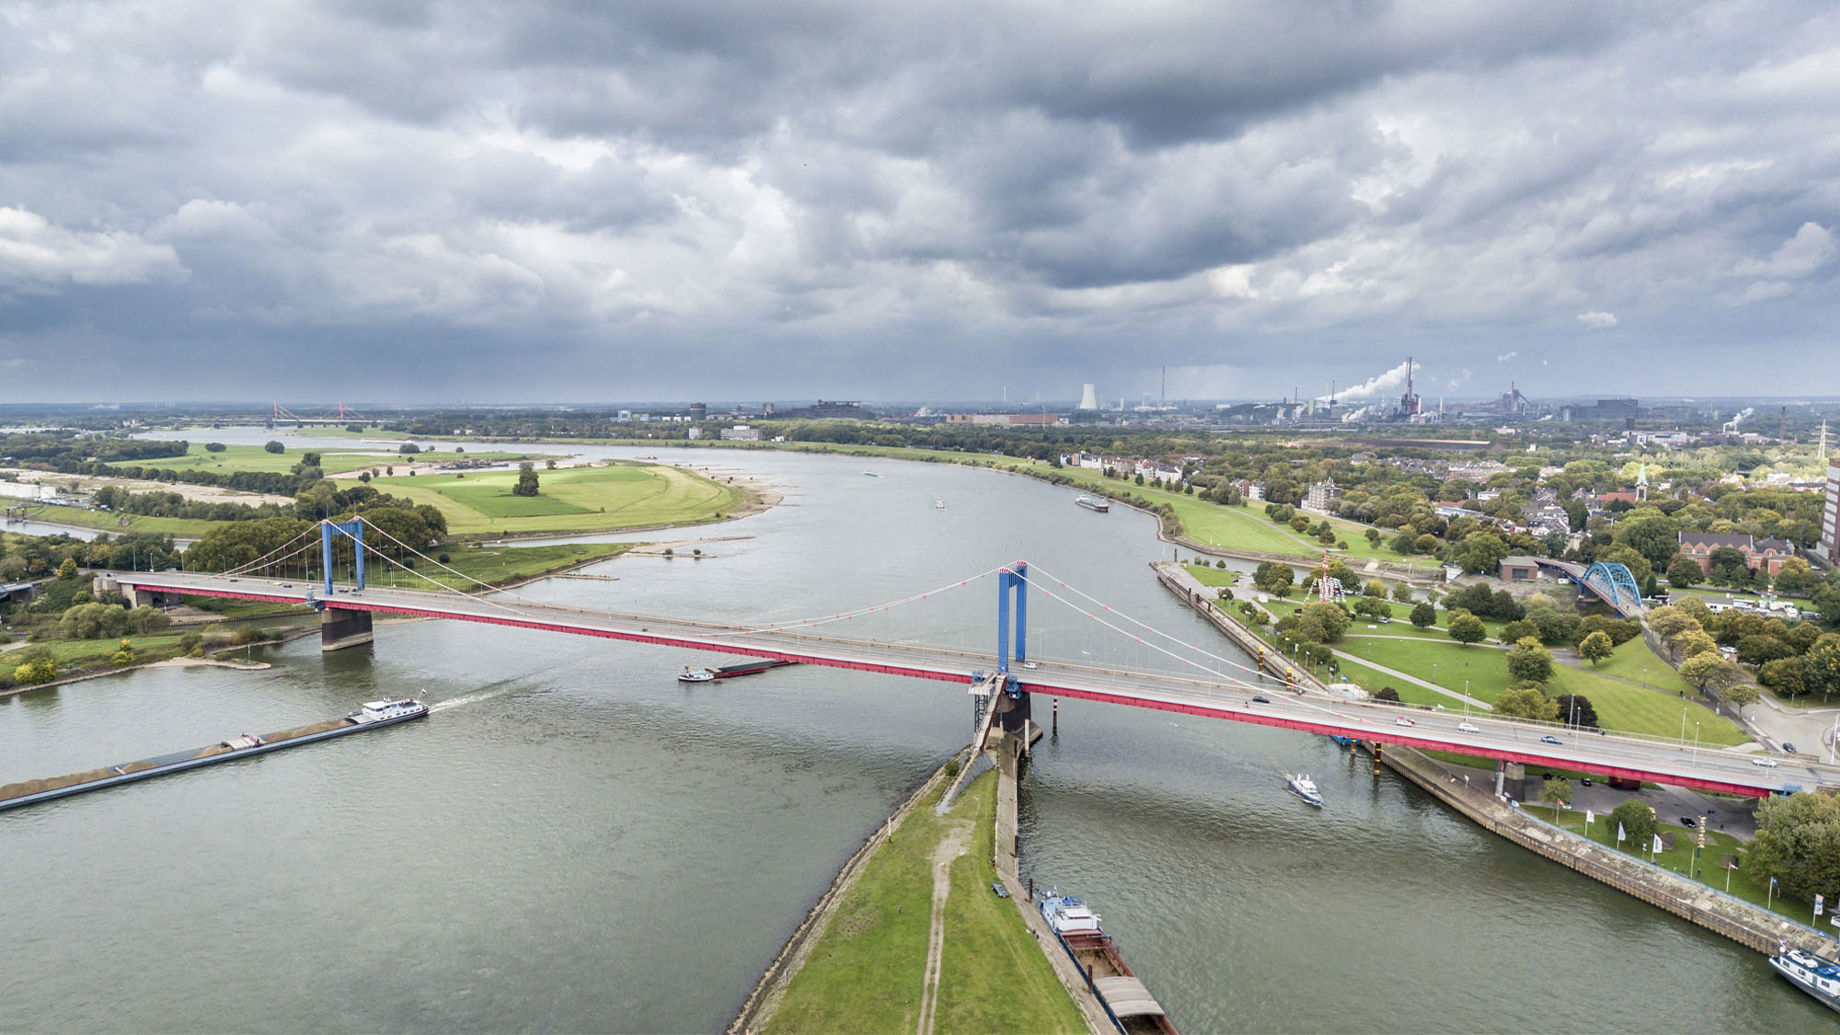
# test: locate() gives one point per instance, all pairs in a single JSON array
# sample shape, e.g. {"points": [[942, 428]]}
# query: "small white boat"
{"points": [[1304, 787], [938, 504], [695, 675]]}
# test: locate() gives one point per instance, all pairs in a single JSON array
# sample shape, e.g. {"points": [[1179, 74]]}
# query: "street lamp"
{"points": [[1683, 726], [1696, 740]]}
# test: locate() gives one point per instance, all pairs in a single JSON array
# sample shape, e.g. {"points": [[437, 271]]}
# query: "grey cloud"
{"points": [[900, 195]]}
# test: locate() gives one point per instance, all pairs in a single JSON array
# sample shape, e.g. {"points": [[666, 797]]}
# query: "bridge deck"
{"points": [[1625, 756]]}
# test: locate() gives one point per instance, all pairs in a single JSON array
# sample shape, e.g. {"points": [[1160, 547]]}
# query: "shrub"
{"points": [[38, 670]]}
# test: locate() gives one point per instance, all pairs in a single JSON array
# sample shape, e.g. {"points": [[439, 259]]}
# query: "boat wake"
{"points": [[474, 698]]}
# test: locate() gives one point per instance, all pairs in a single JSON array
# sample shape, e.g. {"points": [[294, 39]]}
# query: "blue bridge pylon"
{"points": [[353, 528], [1012, 582]]}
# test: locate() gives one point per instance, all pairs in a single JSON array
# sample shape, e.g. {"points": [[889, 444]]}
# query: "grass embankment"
{"points": [[500, 565], [1244, 527], [81, 654], [114, 523], [866, 970], [575, 499], [255, 458]]}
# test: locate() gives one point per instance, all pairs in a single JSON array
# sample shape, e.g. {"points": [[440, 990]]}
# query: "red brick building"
{"points": [[1768, 554]]}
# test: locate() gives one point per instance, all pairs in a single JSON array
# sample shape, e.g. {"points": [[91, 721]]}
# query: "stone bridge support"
{"points": [[340, 628]]}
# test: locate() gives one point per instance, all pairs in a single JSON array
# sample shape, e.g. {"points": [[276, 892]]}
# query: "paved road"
{"points": [[1515, 740]]}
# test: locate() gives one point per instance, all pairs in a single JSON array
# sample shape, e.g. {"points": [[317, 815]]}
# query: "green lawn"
{"points": [[1208, 575], [86, 653], [865, 970], [572, 499], [491, 495], [1410, 693], [255, 458], [1634, 661], [1619, 705]]}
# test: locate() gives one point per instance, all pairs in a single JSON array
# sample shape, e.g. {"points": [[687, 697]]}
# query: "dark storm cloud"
{"points": [[838, 198]]}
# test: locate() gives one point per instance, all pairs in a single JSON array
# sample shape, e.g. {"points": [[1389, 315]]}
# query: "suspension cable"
{"points": [[1127, 618], [846, 615]]}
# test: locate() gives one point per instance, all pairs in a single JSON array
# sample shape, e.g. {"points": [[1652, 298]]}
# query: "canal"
{"points": [[575, 841]]}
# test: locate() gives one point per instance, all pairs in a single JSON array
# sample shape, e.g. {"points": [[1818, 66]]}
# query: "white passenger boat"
{"points": [[1304, 787]]}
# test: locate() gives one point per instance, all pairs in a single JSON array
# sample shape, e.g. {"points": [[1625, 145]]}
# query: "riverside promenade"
{"points": [[1708, 907]]}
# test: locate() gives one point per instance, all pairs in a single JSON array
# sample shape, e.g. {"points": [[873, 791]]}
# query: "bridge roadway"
{"points": [[1658, 760]]}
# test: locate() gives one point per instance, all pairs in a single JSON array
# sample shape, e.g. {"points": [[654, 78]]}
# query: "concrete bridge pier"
{"points": [[340, 628], [1013, 715]]}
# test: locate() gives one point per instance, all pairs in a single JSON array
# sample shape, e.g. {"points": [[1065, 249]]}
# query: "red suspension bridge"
{"points": [[1207, 684]]}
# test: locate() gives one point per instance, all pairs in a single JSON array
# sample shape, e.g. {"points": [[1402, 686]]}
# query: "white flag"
{"points": [[1657, 848], [1589, 817], [1819, 904], [1619, 833]]}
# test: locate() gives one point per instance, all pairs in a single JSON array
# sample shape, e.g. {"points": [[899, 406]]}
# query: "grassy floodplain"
{"points": [[865, 970], [255, 458], [571, 499]]}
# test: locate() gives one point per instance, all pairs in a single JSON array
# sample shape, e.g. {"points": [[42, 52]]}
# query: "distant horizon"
{"points": [[331, 406]]}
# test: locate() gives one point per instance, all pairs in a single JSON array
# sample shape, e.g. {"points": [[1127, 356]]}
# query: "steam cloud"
{"points": [[1393, 380]]}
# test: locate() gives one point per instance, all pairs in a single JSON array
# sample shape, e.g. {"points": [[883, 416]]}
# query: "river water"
{"points": [[576, 842]]}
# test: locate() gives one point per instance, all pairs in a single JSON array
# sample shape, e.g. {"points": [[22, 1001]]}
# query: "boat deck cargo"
{"points": [[746, 668]]}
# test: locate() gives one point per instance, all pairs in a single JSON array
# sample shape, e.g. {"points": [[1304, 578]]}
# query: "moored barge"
{"points": [[1124, 997]]}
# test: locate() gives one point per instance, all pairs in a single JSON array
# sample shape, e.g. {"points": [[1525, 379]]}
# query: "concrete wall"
{"points": [[1709, 908], [1202, 598]]}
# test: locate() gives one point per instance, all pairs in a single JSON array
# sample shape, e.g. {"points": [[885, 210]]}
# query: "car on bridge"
{"points": [[1260, 699], [1767, 763], [1403, 721], [1468, 727], [1550, 739]]}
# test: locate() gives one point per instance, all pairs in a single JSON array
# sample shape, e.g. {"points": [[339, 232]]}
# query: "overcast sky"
{"points": [[592, 200]]}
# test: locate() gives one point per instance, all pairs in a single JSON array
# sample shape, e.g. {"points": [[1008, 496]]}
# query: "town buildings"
{"points": [[1768, 554]]}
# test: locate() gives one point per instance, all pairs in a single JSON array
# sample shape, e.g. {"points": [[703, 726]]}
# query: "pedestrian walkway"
{"points": [[1414, 680]]}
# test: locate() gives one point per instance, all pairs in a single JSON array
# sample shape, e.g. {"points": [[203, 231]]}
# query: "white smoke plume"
{"points": [[1391, 382]]}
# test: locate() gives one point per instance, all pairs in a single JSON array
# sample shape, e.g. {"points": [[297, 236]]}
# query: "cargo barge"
{"points": [[372, 715], [746, 668], [1125, 999], [1092, 503]]}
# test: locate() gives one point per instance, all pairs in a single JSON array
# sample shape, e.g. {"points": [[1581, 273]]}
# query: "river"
{"points": [[574, 841]]}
